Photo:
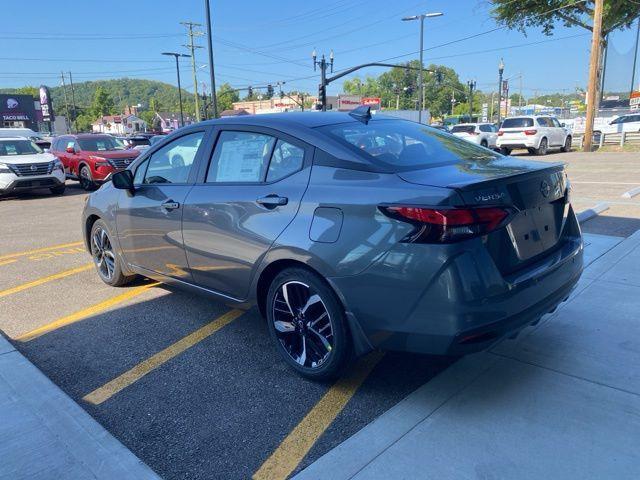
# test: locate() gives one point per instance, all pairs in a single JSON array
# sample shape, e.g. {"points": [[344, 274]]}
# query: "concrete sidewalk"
{"points": [[44, 434], [561, 401]]}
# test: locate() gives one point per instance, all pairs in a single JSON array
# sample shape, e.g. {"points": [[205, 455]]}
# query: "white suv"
{"points": [[483, 134], [24, 166], [535, 133], [624, 123]]}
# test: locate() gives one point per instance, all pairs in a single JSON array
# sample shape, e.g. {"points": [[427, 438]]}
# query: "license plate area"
{"points": [[533, 231]]}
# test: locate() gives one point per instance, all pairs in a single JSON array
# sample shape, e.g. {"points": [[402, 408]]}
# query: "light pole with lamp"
{"points": [[472, 85], [500, 72], [421, 17], [178, 55]]}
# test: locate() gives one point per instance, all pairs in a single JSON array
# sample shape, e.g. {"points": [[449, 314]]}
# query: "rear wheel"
{"points": [[86, 182], [104, 257], [307, 324], [505, 151], [532, 151], [59, 190], [484, 144], [542, 148], [567, 144]]}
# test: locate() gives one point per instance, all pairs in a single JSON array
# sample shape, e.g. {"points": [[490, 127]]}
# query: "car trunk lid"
{"points": [[534, 191]]}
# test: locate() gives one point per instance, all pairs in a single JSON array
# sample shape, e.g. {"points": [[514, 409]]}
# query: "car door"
{"points": [[149, 221], [559, 132], [246, 196]]}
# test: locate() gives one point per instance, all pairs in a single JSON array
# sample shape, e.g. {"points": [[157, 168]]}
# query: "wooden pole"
{"points": [[593, 75]]}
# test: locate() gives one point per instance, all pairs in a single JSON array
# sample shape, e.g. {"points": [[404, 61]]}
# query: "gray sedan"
{"points": [[349, 232]]}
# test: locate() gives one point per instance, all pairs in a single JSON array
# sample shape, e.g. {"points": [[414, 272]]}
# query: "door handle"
{"points": [[272, 201], [170, 205]]}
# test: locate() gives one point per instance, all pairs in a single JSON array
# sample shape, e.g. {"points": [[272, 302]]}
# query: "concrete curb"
{"points": [[631, 193], [589, 213], [50, 432]]}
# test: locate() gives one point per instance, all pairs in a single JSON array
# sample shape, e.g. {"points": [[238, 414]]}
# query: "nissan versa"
{"points": [[349, 232]]}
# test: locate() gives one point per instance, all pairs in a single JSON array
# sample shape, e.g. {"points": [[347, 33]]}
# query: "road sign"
{"points": [[634, 100], [485, 112]]}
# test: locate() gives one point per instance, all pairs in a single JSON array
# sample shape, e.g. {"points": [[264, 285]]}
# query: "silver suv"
{"points": [[536, 133]]}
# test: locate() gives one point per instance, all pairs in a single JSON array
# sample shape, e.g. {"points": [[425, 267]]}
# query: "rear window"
{"points": [[463, 129], [402, 145], [517, 122]]}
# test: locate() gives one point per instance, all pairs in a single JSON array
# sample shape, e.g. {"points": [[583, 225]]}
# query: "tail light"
{"points": [[530, 132], [447, 225], [500, 133]]}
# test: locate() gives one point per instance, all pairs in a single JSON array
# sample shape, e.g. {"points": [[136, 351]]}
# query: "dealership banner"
{"points": [[45, 104]]}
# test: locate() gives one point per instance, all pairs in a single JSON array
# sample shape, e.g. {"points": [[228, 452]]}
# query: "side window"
{"points": [[140, 170], [485, 128], [555, 121], [286, 159], [240, 157], [70, 143], [172, 163]]}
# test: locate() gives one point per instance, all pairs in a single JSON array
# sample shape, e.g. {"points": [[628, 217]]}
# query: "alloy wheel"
{"points": [[102, 253], [302, 324], [85, 179]]}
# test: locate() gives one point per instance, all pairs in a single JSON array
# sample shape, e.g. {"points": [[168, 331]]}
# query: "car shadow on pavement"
{"points": [[610, 225], [219, 408], [40, 194]]}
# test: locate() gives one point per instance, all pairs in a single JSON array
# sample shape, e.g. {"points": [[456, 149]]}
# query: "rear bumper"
{"points": [[517, 143], [464, 306]]}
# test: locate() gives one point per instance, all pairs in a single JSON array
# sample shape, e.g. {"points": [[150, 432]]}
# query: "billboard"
{"points": [[349, 102], [45, 104], [634, 100], [373, 102], [18, 111]]}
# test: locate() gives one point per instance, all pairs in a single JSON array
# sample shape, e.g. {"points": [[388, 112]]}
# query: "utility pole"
{"points": [[635, 58], [520, 93], [176, 56], [73, 100], [472, 85], [593, 75], [66, 102], [500, 72], [194, 33], [214, 98], [453, 100]]}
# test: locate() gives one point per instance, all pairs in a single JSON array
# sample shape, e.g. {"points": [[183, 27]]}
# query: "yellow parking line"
{"points": [[49, 278], [131, 376], [297, 444], [7, 262], [40, 250], [84, 313]]}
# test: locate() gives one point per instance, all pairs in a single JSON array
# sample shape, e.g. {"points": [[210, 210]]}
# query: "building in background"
{"points": [[119, 124], [19, 111], [170, 121]]}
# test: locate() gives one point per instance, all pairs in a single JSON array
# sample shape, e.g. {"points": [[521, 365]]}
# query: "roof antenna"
{"points": [[362, 114]]}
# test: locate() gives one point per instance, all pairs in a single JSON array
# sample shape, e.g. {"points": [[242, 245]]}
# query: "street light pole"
{"points": [[176, 56], [472, 85], [214, 98], [421, 17], [500, 72]]}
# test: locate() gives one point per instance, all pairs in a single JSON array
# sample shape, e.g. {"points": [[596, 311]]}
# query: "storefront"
{"points": [[18, 111]]}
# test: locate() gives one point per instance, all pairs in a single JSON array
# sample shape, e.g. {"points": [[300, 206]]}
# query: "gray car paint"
{"points": [[397, 295]]}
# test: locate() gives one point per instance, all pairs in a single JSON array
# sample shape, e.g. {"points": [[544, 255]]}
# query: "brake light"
{"points": [[447, 225], [500, 133], [530, 132]]}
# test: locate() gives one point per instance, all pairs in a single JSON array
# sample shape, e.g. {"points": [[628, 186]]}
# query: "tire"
{"points": [[312, 338], [542, 148], [85, 179], [567, 144], [505, 151], [59, 190], [484, 144], [532, 151], [105, 259]]}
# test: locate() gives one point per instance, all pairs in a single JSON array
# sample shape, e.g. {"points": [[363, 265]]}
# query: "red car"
{"points": [[92, 159]]}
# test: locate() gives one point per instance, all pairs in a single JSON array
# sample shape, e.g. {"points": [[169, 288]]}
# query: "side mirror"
{"points": [[70, 150], [123, 180]]}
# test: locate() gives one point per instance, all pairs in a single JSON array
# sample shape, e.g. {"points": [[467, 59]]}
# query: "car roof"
{"points": [[13, 138], [310, 119]]}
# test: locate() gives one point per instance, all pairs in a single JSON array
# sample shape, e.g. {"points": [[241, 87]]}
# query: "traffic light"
{"points": [[270, 90], [439, 77], [250, 91]]}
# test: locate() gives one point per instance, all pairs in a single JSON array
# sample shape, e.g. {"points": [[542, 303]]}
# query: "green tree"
{"points": [[226, 96], [102, 103], [29, 90]]}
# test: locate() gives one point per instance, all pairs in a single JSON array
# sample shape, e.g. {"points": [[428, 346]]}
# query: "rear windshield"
{"points": [[18, 147], [100, 144], [402, 145], [463, 128], [517, 122]]}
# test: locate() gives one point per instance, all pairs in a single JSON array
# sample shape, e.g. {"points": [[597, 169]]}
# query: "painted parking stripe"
{"points": [[40, 250], [47, 279], [297, 444], [84, 313], [131, 376], [7, 262]]}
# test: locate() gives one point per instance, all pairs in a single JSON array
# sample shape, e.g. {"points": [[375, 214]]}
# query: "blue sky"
{"points": [[125, 38]]}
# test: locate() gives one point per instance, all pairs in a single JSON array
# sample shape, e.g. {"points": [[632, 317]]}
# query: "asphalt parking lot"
{"points": [[194, 387]]}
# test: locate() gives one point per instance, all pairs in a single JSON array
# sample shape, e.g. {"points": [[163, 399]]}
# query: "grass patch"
{"points": [[627, 147]]}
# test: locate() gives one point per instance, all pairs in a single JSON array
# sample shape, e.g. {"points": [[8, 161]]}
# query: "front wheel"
{"points": [[307, 323], [86, 182], [104, 257], [59, 190]]}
